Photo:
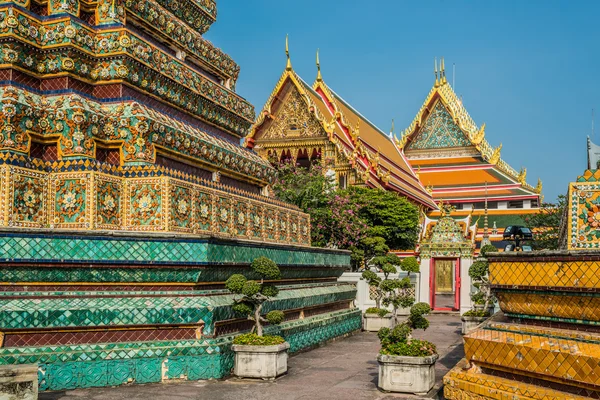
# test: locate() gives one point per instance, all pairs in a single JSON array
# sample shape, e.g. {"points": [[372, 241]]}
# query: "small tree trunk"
{"points": [[257, 323], [378, 298]]}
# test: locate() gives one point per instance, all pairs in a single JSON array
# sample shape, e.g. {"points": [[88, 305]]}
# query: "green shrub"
{"points": [[382, 312], [397, 342], [252, 339], [235, 283], [476, 313], [250, 288], [478, 270], [410, 348], [478, 298], [266, 268], [488, 248], [275, 317], [410, 264]]}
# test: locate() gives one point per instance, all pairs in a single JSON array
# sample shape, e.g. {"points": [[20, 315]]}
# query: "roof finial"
{"points": [[486, 237], [442, 72], [288, 67], [319, 77], [393, 129], [435, 69]]}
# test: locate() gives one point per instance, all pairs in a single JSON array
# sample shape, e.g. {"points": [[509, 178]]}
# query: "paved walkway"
{"points": [[344, 369]]}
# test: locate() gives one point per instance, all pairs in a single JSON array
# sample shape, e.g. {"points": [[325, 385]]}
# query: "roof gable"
{"points": [[439, 131]]}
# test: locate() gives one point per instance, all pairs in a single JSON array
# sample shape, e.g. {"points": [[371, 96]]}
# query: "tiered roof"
{"points": [[370, 151], [452, 156]]}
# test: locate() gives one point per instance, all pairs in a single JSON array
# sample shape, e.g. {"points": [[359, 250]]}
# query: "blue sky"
{"points": [[529, 69]]}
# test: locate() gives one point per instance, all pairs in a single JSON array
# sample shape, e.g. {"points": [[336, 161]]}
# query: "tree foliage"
{"points": [[387, 215], [345, 218], [546, 224], [335, 220], [254, 294]]}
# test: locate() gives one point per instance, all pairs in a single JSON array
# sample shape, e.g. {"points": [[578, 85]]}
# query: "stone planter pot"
{"points": [[264, 362], [373, 322], [470, 323], [19, 382], [406, 374]]}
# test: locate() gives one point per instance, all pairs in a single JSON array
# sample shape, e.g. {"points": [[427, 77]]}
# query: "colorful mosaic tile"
{"points": [[439, 131], [40, 248], [547, 356], [570, 272], [578, 308], [58, 312], [86, 200], [468, 384], [64, 367], [583, 229]]}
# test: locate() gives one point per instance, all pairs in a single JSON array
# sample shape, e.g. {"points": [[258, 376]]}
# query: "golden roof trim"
{"points": [[465, 122]]}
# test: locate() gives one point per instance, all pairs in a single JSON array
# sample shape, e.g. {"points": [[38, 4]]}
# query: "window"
{"points": [[515, 204], [535, 203], [481, 205]]}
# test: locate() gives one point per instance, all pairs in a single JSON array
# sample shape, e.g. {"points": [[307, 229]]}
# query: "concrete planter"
{"points": [[373, 322], [264, 362], [406, 374], [470, 323], [19, 382]]}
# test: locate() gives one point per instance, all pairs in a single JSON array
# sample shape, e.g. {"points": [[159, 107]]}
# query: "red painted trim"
{"points": [[476, 188], [472, 199], [454, 168]]}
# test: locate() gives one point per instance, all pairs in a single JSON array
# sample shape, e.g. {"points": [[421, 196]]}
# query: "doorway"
{"points": [[445, 284]]}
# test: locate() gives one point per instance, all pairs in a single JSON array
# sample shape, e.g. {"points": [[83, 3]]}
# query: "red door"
{"points": [[444, 301]]}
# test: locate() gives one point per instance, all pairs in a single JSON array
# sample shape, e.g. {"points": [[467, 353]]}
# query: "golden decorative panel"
{"points": [[84, 200], [572, 273], [549, 357], [27, 201], [294, 119], [583, 220]]}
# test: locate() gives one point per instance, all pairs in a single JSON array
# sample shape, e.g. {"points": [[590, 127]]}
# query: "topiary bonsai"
{"points": [[254, 295], [479, 273], [399, 342], [391, 292], [397, 292]]}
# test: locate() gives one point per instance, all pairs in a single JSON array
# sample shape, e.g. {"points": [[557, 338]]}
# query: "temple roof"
{"points": [[451, 155], [370, 151]]}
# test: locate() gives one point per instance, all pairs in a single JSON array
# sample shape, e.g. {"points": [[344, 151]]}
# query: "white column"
{"points": [[465, 285], [424, 281]]}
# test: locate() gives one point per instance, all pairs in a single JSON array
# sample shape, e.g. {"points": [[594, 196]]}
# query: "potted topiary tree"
{"points": [[377, 317], [407, 365], [483, 299], [398, 293], [258, 355]]}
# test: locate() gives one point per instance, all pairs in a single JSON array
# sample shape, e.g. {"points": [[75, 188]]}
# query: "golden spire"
{"points": [[288, 66], [538, 188], [435, 69], [442, 72], [319, 77]]}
